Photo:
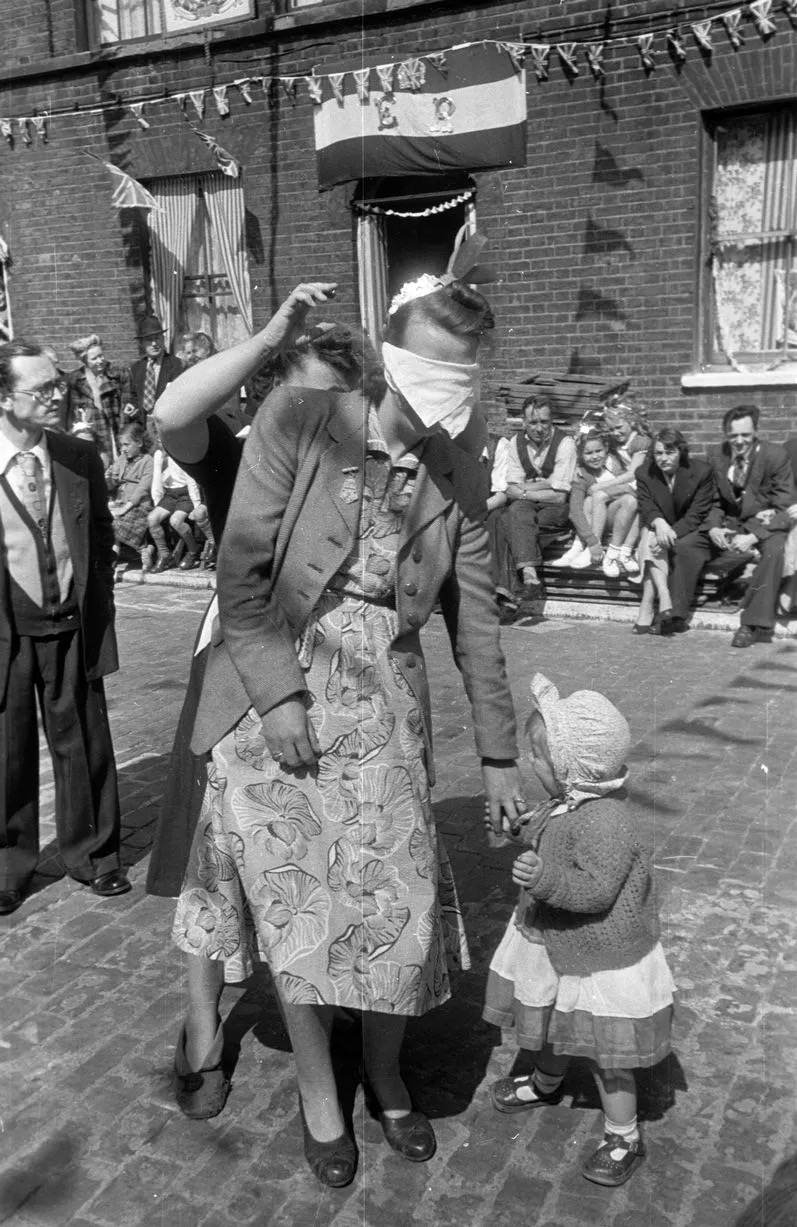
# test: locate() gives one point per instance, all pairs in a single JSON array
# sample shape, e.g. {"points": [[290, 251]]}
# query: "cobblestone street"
{"points": [[93, 997]]}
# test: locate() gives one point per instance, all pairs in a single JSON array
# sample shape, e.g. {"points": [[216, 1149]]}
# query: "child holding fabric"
{"points": [[580, 970]]}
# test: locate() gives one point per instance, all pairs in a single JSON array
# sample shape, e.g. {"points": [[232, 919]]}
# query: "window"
{"points": [[405, 227], [117, 21], [752, 231]]}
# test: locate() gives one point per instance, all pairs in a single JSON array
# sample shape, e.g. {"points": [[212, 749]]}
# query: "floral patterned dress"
{"points": [[339, 870]]}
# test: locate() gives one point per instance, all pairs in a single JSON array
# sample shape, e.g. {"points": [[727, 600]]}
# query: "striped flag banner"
{"points": [[469, 114]]}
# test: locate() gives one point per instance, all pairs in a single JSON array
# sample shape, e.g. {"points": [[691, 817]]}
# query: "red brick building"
{"points": [[602, 240]]}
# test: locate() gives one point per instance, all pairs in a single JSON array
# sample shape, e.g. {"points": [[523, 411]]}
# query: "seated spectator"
{"points": [[675, 495], [602, 498], [177, 502], [755, 490], [129, 481], [538, 466], [788, 592], [95, 396], [630, 432]]}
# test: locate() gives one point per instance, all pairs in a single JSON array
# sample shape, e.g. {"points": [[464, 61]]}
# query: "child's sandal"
{"points": [[504, 1094], [615, 1160]]}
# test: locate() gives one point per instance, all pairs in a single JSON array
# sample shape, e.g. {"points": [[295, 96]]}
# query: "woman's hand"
{"points": [[504, 792], [527, 869], [287, 321], [720, 537], [289, 735], [665, 533]]}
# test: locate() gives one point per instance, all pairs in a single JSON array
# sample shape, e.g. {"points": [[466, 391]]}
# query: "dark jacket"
{"points": [[292, 523], [769, 487], [83, 499], [170, 368], [687, 507]]}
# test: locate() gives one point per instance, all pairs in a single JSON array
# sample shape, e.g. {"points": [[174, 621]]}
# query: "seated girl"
{"points": [[178, 502], [602, 499], [129, 482]]}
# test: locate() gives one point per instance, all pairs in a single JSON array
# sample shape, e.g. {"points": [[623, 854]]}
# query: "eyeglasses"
{"points": [[46, 394]]}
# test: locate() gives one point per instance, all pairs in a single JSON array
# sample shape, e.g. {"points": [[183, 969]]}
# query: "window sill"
{"points": [[697, 381]]}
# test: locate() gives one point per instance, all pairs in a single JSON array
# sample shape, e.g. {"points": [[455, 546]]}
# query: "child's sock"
{"points": [[629, 1132], [546, 1084]]}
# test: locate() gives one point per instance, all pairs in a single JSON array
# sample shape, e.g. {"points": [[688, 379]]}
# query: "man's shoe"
{"points": [[164, 563], [744, 637], [109, 884], [9, 901]]}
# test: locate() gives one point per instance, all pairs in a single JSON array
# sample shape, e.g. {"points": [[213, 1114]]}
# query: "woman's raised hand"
{"points": [[289, 735], [287, 321]]}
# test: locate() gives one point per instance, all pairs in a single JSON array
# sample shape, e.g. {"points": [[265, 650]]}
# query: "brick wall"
{"points": [[596, 240]]}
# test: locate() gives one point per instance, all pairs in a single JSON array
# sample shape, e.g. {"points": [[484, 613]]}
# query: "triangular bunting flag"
{"points": [[220, 98], [539, 58], [644, 44], [289, 87], [411, 74], [244, 86], [516, 53], [362, 79], [314, 88], [336, 85], [567, 54], [594, 53], [6, 130], [385, 74], [702, 33], [731, 22], [40, 124], [24, 132], [180, 100], [676, 46], [197, 97], [790, 9], [438, 58], [760, 11], [138, 111]]}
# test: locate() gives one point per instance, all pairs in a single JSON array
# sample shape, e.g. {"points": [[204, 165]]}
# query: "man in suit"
{"points": [[754, 491], [675, 494], [150, 374], [57, 637]]}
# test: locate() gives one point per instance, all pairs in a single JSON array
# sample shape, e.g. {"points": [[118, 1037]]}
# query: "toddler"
{"points": [[580, 970]]}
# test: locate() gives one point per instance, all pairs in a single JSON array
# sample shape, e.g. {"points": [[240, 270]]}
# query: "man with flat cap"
{"points": [[151, 373], [57, 638]]}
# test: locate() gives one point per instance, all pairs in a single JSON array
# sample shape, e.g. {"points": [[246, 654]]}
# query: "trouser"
{"points": [[527, 522], [689, 556], [503, 571], [87, 818], [760, 600]]}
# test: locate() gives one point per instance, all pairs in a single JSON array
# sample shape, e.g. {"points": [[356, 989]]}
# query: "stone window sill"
{"points": [[708, 381]]}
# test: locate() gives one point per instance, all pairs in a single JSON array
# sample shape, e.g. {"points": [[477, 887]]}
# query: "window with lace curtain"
{"points": [[752, 231], [117, 21]]}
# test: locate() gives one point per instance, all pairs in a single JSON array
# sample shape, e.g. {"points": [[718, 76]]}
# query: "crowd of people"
{"points": [[638, 505], [297, 822]]}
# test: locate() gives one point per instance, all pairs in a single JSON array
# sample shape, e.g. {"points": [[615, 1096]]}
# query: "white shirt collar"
{"points": [[9, 450]]}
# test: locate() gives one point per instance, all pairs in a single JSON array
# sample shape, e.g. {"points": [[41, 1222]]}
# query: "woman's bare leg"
{"points": [[310, 1028], [383, 1035], [205, 979]]}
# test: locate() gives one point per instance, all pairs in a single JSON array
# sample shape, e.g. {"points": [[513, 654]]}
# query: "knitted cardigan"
{"points": [[595, 899]]}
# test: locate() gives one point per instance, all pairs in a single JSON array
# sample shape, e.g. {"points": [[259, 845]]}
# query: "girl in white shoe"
{"points": [[602, 499], [580, 970]]}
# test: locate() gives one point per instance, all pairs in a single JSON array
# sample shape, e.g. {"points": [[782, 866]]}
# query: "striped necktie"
{"points": [[150, 384], [33, 490]]}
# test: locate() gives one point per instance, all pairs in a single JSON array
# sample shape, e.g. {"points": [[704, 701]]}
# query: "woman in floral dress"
{"points": [[346, 526]]}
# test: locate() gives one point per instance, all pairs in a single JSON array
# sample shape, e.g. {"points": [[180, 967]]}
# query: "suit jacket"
{"points": [[171, 367], [292, 523], [80, 489], [769, 487], [687, 507], [790, 448]]}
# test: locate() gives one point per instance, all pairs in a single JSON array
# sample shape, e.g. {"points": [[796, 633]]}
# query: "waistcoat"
{"points": [[547, 466], [42, 594]]}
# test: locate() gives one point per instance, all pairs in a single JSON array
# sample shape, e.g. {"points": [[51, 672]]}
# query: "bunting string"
{"points": [[767, 18]]}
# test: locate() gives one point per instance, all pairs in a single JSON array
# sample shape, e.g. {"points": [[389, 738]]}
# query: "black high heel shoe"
{"points": [[333, 1163], [411, 1135]]}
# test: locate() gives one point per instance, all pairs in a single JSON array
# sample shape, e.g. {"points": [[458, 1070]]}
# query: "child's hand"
{"points": [[527, 869]]}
